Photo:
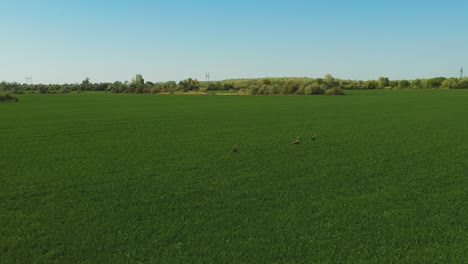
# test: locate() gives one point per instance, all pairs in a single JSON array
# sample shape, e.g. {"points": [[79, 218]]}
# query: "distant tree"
{"points": [[137, 85], [171, 86], [299, 86], [335, 91], [313, 89], [329, 81], [371, 84], [116, 87], [383, 82], [402, 84], [43, 89], [290, 86], [462, 84], [393, 84], [434, 82], [85, 85], [7, 97], [165, 87], [417, 83], [189, 85], [349, 84], [265, 81], [449, 83], [138, 80], [274, 89]]}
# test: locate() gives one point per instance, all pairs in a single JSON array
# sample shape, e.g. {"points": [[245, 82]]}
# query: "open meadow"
{"points": [[127, 178]]}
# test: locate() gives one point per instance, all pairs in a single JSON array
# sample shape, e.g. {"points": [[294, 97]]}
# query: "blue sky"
{"points": [[65, 41]]}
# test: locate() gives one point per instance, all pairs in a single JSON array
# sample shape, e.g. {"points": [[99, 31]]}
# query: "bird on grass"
{"points": [[235, 149], [296, 141]]}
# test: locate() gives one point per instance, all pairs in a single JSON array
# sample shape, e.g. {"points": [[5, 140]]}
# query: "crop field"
{"points": [[126, 178]]}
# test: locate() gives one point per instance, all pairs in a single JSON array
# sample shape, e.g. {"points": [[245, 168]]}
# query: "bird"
{"points": [[235, 149], [296, 141], [313, 138]]}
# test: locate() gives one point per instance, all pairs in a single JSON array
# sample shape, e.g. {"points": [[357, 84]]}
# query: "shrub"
{"points": [[253, 90], [189, 85], [274, 89], [155, 90], [308, 90], [463, 84], [317, 90], [64, 90], [300, 90], [6, 97], [203, 89], [334, 91]]}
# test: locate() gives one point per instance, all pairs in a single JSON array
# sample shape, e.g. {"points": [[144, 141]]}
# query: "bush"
{"points": [[313, 89], [203, 89], [463, 84], [274, 89], [6, 97], [253, 90], [334, 91]]}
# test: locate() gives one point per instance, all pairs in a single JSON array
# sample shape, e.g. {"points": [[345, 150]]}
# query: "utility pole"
{"points": [[28, 79], [461, 72], [207, 77]]}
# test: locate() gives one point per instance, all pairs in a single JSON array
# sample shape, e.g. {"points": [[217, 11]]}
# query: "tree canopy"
{"points": [[298, 86]]}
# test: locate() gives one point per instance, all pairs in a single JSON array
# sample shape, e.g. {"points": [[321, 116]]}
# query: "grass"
{"points": [[112, 178]]}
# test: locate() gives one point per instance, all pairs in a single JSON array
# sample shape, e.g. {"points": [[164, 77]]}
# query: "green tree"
{"points": [[116, 87], [462, 84], [86, 85], [137, 85], [266, 81], [449, 83], [330, 81], [371, 84], [138, 80], [383, 82], [189, 85], [393, 84], [434, 82], [417, 83], [402, 84]]}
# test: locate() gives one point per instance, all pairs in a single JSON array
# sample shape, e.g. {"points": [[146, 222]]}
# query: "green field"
{"points": [[119, 178]]}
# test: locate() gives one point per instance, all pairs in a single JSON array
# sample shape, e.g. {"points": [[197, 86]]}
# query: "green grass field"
{"points": [[114, 178]]}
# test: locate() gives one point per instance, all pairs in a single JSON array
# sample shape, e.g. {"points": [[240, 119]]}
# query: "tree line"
{"points": [[299, 86]]}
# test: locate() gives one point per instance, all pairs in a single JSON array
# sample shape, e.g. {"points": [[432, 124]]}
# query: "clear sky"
{"points": [[58, 41]]}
